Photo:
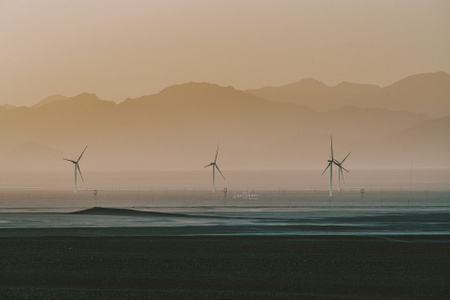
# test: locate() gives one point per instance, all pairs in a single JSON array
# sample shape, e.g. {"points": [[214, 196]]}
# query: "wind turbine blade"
{"points": [[70, 160], [342, 173], [81, 154], [331, 139], [326, 169], [345, 170], [79, 171], [217, 152], [345, 158], [219, 171], [208, 165]]}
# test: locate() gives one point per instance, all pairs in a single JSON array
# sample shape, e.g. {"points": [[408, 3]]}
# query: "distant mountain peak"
{"points": [[86, 96], [83, 97], [432, 74], [309, 83], [200, 96], [8, 107], [49, 99], [352, 84], [425, 78], [195, 91], [196, 87]]}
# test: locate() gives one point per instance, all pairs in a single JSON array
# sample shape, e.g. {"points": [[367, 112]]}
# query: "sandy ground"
{"points": [[244, 267]]}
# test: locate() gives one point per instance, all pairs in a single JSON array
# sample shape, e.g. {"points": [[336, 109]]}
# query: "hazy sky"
{"points": [[120, 49]]}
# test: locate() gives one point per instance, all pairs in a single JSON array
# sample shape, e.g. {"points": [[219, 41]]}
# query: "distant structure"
{"points": [[341, 171], [215, 166], [330, 165], [77, 168]]}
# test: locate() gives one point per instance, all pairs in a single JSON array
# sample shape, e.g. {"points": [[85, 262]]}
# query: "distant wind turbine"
{"points": [[330, 165], [215, 166], [77, 168], [341, 171]]}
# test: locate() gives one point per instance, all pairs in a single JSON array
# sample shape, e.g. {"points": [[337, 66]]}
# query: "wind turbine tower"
{"points": [[330, 165], [215, 166], [77, 168]]}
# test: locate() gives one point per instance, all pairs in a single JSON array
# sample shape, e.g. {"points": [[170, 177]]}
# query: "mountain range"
{"points": [[285, 127], [423, 93]]}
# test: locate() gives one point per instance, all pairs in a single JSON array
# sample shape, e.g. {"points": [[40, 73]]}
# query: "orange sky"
{"points": [[120, 49]]}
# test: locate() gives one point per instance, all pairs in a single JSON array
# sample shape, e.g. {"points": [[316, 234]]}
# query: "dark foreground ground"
{"points": [[317, 267]]}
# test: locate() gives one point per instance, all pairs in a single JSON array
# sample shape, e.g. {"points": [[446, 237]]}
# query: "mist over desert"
{"points": [[179, 128]]}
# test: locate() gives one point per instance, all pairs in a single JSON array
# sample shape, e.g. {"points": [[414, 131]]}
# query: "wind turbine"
{"points": [[77, 167], [215, 166], [330, 165], [341, 171]]}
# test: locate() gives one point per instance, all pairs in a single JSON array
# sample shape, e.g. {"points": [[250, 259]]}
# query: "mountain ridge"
{"points": [[180, 126], [49, 99], [434, 85], [422, 93]]}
